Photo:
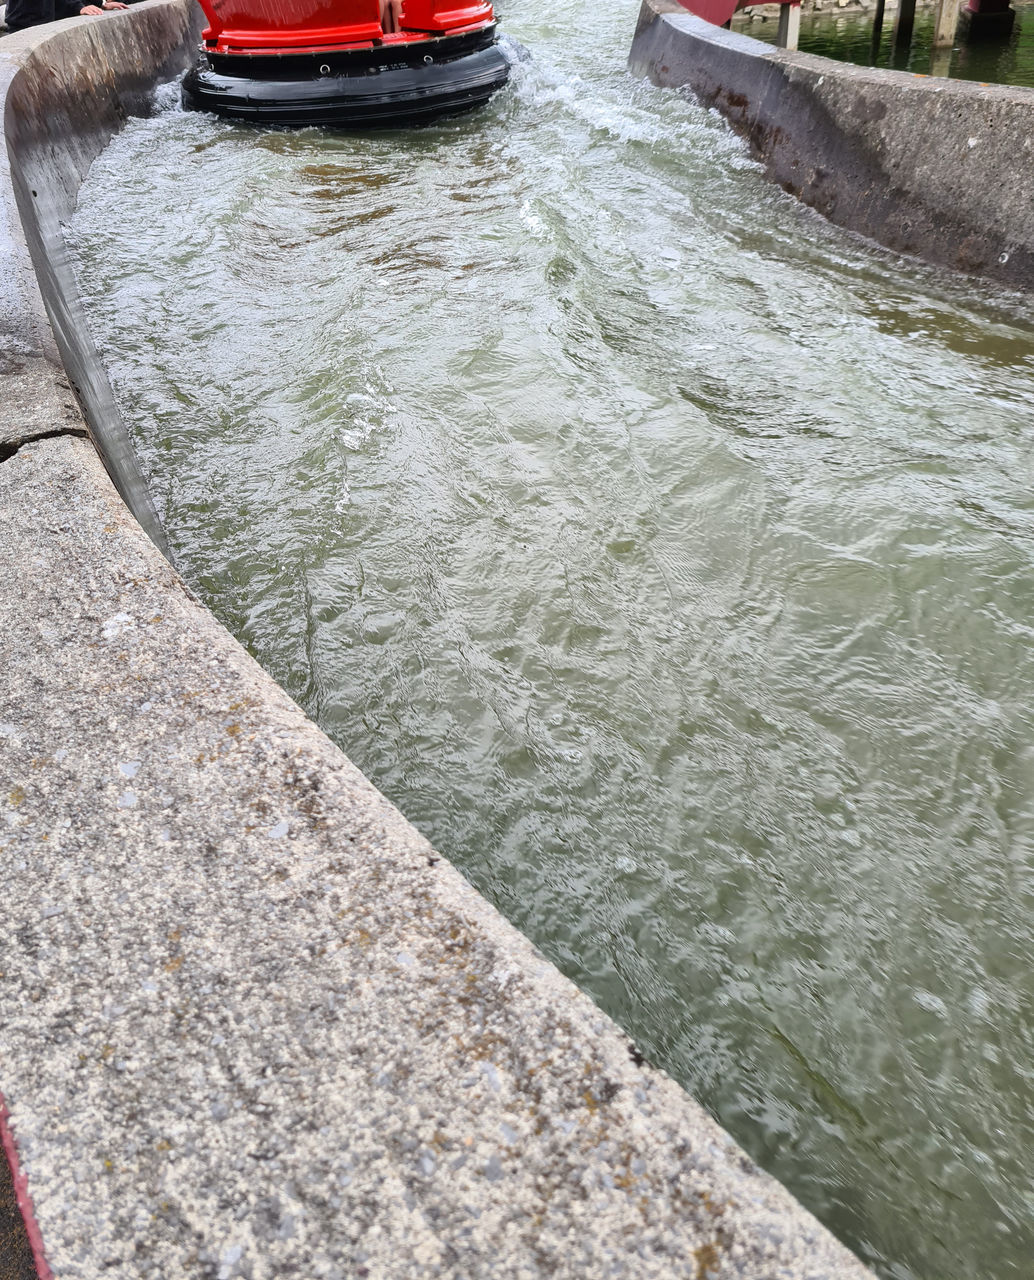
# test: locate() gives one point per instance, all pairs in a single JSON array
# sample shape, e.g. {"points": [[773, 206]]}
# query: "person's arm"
{"points": [[77, 8]]}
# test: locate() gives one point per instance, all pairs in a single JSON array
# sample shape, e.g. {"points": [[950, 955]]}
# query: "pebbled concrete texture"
{"points": [[253, 1026], [38, 403], [938, 169]]}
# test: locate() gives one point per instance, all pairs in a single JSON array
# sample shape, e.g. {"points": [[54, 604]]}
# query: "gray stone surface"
{"points": [[38, 401], [253, 1026], [939, 169]]}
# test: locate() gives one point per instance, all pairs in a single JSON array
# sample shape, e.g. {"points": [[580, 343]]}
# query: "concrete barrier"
{"points": [[253, 1026], [63, 99], [940, 169]]}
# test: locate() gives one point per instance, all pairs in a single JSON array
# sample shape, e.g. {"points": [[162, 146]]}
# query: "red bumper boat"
{"points": [[345, 63]]}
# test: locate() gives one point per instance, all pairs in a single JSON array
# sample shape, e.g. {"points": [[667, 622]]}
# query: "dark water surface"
{"points": [[666, 554], [848, 37]]}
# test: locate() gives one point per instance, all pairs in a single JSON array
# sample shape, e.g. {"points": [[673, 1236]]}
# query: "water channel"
{"points": [[666, 554]]}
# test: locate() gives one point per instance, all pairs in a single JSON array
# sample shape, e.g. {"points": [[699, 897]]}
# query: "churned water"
{"points": [[666, 554]]}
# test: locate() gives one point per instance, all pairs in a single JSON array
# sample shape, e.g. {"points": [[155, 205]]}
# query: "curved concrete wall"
{"points": [[941, 169], [62, 102], [253, 1026]]}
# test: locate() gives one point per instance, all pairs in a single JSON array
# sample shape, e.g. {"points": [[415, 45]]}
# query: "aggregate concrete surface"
{"points": [[252, 1025]]}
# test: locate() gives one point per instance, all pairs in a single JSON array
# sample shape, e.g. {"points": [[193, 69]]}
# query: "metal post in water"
{"points": [[788, 34], [903, 26], [877, 28]]}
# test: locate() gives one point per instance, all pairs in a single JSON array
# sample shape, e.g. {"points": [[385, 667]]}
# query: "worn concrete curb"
{"points": [[940, 169], [253, 1025]]}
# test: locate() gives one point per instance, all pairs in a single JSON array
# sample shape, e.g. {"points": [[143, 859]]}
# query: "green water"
{"points": [[666, 555], [848, 37]]}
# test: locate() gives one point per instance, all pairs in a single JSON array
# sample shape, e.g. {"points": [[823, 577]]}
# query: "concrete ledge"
{"points": [[62, 100], [253, 1025], [940, 169]]}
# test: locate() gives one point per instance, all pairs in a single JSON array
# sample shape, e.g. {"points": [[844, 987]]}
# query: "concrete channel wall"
{"points": [[252, 1025], [939, 169]]}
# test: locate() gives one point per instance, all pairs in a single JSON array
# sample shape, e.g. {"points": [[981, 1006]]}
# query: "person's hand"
{"points": [[113, 4], [90, 11]]}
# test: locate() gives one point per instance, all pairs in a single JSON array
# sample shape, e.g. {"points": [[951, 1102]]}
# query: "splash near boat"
{"points": [[349, 64]]}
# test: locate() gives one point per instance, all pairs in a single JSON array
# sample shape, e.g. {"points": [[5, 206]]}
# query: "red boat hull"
{"points": [[382, 86], [345, 63], [295, 26]]}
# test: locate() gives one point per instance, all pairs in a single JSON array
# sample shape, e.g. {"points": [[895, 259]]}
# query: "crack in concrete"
{"points": [[10, 448]]}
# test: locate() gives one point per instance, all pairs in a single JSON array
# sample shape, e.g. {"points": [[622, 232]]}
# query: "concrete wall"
{"points": [[62, 102], [253, 1026], [941, 169]]}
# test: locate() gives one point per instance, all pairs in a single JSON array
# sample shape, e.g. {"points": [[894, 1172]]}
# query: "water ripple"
{"points": [[666, 554]]}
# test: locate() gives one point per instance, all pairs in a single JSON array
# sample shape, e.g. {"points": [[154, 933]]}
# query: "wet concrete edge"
{"points": [[253, 1025], [934, 168]]}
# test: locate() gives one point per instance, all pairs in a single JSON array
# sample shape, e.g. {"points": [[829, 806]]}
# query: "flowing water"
{"points": [[666, 554]]}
